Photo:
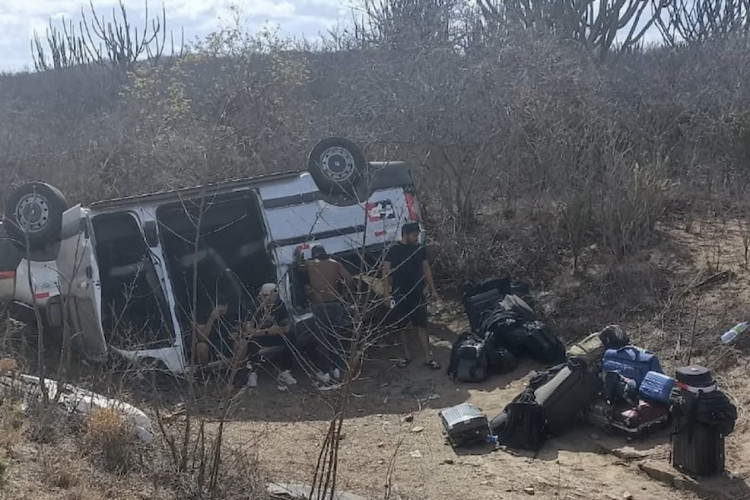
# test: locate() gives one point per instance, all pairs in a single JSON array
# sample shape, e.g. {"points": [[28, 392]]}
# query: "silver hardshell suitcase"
{"points": [[465, 424]]}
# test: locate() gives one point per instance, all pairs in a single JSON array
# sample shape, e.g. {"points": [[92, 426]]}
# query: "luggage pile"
{"points": [[602, 380], [504, 328]]}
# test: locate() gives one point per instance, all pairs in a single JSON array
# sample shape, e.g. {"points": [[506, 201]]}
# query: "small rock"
{"points": [[381, 445], [409, 418], [417, 430], [448, 461], [381, 461], [485, 483], [529, 491], [627, 496], [386, 400], [595, 437], [415, 454], [379, 415], [384, 385], [644, 488]]}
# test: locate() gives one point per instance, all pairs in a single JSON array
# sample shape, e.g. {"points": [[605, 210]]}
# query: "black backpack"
{"points": [[468, 361], [524, 423], [543, 345], [499, 359]]}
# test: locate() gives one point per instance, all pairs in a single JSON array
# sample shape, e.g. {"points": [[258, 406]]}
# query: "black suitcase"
{"points": [[697, 449], [538, 379], [464, 424], [566, 396]]}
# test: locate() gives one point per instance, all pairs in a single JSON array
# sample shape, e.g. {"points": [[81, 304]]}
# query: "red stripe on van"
{"points": [[7, 275], [42, 295], [380, 233], [413, 210]]}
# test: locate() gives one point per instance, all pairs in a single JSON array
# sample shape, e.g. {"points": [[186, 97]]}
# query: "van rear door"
{"points": [[80, 286]]}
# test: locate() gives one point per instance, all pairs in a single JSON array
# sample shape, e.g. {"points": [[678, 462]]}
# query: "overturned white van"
{"points": [[120, 273]]}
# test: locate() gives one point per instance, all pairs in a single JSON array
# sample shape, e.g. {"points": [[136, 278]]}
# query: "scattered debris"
{"points": [[417, 430], [288, 491], [77, 399]]}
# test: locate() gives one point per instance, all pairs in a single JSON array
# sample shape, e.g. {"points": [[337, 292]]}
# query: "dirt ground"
{"points": [[675, 299]]}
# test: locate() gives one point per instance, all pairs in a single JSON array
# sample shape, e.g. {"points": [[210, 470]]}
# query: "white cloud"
{"points": [[20, 18]]}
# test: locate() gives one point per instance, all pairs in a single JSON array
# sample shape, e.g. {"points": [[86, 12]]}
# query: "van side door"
{"points": [[80, 286]]}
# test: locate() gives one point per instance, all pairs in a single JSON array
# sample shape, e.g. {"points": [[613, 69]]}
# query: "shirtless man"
{"points": [[330, 285]]}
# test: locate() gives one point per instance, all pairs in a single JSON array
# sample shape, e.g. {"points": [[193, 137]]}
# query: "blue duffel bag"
{"points": [[631, 362]]}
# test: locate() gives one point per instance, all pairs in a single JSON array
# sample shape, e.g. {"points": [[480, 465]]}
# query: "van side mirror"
{"points": [[151, 234]]}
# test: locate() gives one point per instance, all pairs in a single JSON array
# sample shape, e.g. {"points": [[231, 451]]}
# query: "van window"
{"points": [[134, 307]]}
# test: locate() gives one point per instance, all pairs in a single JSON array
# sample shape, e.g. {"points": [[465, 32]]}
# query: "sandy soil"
{"points": [[675, 298]]}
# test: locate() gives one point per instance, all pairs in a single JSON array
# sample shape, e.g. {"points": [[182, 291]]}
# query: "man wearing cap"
{"points": [[269, 326], [330, 285], [405, 272]]}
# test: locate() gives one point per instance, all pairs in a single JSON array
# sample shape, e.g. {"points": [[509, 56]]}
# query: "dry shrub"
{"points": [[212, 468], [8, 365], [61, 474], [46, 424], [83, 493], [11, 424], [110, 441]]}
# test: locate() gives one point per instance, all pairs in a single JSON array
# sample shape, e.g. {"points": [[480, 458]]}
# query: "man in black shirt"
{"points": [[269, 326], [405, 271]]}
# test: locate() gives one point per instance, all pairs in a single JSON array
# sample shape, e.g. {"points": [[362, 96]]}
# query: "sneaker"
{"points": [[252, 379], [336, 374], [323, 378], [285, 378]]}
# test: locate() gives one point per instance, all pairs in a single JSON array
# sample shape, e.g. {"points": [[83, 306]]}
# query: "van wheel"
{"points": [[36, 209], [336, 164]]}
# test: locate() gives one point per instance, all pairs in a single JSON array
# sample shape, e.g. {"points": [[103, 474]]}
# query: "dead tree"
{"points": [[695, 21], [113, 42], [595, 24]]}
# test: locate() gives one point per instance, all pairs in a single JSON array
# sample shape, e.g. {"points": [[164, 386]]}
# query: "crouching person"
{"points": [[269, 326]]}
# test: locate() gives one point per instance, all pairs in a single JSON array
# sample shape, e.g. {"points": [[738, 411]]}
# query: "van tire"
{"points": [[38, 206], [336, 164]]}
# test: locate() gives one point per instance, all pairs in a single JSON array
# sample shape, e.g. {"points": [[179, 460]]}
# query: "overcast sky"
{"points": [[19, 18]]}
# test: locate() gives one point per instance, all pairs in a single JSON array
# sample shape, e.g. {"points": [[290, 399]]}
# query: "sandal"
{"points": [[433, 364], [402, 362]]}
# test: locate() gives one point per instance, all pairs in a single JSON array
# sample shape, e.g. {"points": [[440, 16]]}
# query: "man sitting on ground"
{"points": [[405, 271], [269, 326], [330, 286]]}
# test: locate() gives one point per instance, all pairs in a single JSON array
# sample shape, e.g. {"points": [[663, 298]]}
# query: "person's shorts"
{"points": [[410, 310]]}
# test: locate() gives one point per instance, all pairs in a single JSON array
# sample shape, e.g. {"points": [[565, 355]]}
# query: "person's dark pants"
{"points": [[333, 335], [410, 309], [282, 360]]}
